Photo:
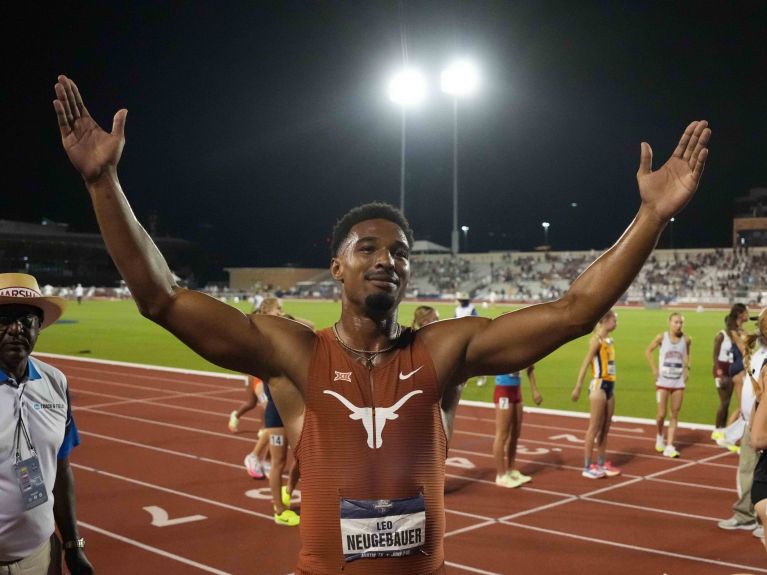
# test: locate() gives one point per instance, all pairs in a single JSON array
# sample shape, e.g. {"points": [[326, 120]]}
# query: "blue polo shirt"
{"points": [[42, 400]]}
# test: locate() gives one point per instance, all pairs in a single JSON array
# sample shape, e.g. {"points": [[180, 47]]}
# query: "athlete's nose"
{"points": [[385, 259]]}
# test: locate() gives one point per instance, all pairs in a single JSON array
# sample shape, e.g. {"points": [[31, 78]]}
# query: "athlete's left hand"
{"points": [[667, 190]]}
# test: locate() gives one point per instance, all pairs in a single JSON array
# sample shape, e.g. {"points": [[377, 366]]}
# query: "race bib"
{"points": [[374, 528], [611, 367], [672, 370]]}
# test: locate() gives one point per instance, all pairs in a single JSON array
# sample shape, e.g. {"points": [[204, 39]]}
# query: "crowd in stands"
{"points": [[716, 276]]}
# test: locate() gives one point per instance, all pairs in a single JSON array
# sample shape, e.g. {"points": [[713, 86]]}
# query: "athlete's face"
{"points": [[675, 324], [373, 264], [742, 318], [610, 322], [19, 328]]}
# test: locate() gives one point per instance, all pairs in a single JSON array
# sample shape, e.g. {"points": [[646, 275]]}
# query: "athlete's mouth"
{"points": [[384, 278]]}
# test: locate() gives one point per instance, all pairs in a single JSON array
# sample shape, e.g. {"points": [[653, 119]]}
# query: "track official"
{"points": [[37, 433]]}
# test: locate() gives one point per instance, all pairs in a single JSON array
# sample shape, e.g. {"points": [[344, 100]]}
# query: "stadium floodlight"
{"points": [[459, 79], [545, 233], [407, 89], [465, 230]]}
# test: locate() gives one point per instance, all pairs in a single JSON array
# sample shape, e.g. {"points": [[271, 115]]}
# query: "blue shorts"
{"points": [[605, 385], [272, 417]]}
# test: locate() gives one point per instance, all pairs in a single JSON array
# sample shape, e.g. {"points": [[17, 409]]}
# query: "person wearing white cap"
{"points": [[37, 434]]}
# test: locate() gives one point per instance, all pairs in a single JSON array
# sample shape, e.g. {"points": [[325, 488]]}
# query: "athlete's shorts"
{"points": [[659, 388], [670, 387], [758, 491], [272, 417], [605, 385], [504, 395], [723, 367], [737, 361]]}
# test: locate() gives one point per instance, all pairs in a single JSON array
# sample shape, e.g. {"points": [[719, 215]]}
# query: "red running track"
{"points": [[161, 489]]}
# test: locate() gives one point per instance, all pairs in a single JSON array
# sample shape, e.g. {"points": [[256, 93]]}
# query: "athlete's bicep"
{"points": [[517, 339], [224, 335]]}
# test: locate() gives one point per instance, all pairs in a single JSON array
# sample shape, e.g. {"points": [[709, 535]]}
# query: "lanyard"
{"points": [[21, 428]]}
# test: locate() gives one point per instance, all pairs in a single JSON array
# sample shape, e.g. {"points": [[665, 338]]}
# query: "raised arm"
{"points": [[518, 339], [218, 332]]}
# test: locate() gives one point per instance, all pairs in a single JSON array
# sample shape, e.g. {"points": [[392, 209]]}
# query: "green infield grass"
{"points": [[115, 330]]}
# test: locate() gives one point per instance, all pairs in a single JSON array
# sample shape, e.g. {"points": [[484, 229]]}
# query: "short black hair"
{"points": [[371, 211]]}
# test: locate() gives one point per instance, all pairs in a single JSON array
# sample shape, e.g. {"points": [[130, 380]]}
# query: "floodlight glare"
{"points": [[407, 88], [461, 78], [545, 225], [465, 228]]}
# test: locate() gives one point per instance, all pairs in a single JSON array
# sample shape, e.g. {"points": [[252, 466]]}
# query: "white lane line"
{"points": [[470, 569], [158, 401], [163, 424], [678, 466], [539, 508], [650, 550], [471, 527], [142, 366], [650, 509], [183, 454], [154, 550], [107, 378], [152, 388], [212, 502]]}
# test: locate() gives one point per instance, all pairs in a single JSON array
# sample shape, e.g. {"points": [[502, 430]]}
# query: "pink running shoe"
{"points": [[593, 472], [253, 466], [610, 470]]}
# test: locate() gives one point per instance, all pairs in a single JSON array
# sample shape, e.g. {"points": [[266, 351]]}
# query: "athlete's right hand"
{"points": [[90, 149], [576, 393]]}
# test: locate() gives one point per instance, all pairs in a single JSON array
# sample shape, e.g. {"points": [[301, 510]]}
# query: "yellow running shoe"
{"points": [[285, 496], [288, 518]]}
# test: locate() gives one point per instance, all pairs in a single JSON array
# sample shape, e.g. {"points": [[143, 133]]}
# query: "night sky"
{"points": [[253, 126]]}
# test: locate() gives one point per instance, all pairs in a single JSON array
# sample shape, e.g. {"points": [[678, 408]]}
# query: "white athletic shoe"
{"points": [[254, 467], [234, 422], [670, 451]]}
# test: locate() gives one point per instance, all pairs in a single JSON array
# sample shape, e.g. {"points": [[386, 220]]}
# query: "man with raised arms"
{"points": [[362, 401]]}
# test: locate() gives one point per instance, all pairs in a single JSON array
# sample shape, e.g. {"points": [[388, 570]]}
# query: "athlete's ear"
{"points": [[335, 269]]}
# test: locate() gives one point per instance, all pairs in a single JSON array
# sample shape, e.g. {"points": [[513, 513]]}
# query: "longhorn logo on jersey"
{"points": [[382, 415]]}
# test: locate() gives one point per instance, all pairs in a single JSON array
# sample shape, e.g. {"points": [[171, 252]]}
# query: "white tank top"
{"points": [[747, 397], [671, 362], [725, 351]]}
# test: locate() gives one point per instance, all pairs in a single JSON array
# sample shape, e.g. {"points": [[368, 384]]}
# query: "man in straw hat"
{"points": [[37, 433], [367, 398]]}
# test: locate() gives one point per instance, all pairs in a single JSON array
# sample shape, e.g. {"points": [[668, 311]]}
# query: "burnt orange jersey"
{"points": [[372, 458]]}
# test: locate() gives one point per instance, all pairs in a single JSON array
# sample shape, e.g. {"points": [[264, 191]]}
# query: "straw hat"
{"points": [[23, 289]]}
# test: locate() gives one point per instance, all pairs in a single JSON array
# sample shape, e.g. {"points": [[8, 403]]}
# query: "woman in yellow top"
{"points": [[601, 357]]}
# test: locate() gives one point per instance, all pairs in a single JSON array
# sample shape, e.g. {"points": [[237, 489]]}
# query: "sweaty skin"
{"points": [[372, 267]]}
